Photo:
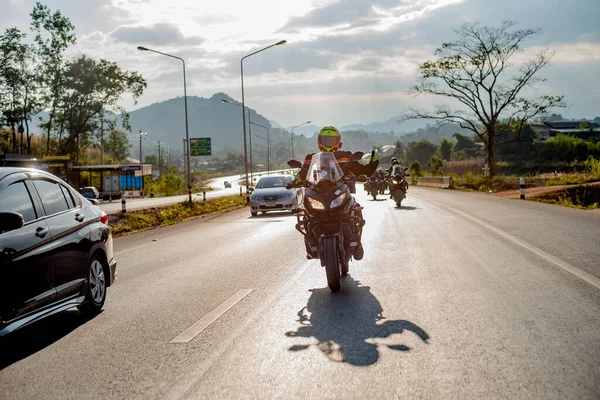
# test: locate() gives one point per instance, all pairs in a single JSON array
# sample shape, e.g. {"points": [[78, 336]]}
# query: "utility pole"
{"points": [[141, 161], [159, 160], [101, 139]]}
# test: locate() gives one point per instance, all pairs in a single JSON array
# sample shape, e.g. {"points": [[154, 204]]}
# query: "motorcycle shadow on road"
{"points": [[27, 341], [406, 208], [344, 322]]}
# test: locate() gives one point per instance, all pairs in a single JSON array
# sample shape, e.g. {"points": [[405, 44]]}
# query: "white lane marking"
{"points": [[211, 317], [581, 274]]}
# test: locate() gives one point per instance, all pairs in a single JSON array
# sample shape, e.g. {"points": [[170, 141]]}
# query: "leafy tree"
{"points": [[435, 166], [93, 88], [117, 144], [415, 170], [475, 71], [399, 150], [462, 142], [54, 33], [18, 82], [445, 149], [151, 159], [420, 151]]}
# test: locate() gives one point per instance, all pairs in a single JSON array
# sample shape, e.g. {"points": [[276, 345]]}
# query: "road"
{"points": [[459, 295], [218, 184]]}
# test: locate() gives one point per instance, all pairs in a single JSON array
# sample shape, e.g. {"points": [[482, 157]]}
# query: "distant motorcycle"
{"points": [[328, 212], [372, 187], [398, 185]]}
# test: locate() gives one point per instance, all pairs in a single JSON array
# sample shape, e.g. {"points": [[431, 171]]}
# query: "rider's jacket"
{"points": [[343, 159]]}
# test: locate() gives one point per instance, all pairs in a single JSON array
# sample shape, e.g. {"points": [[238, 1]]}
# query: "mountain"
{"points": [[391, 125], [306, 130], [165, 121]]}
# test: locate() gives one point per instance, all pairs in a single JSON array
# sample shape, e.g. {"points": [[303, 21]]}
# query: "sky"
{"points": [[345, 61]]}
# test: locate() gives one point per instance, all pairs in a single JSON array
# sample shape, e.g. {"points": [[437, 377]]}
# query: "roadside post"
{"points": [[189, 194], [123, 205], [240, 191], [204, 195], [522, 185]]}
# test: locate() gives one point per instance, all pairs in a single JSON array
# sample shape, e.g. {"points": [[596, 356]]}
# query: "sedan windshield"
{"points": [[273, 182]]}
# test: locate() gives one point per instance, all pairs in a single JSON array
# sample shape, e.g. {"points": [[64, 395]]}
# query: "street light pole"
{"points": [[244, 102], [250, 129], [268, 146], [188, 166], [292, 137]]}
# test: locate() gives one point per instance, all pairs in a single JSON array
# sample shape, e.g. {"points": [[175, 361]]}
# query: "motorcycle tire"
{"points": [[332, 269], [398, 198], [374, 194]]}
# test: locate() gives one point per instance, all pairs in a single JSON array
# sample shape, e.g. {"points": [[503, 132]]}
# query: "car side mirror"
{"points": [[9, 221], [294, 164], [357, 156], [94, 202]]}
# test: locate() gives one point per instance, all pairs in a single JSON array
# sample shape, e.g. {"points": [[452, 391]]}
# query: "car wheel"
{"points": [[254, 214], [96, 287]]}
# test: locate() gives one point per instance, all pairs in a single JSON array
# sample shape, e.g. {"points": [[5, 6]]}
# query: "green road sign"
{"points": [[200, 147]]}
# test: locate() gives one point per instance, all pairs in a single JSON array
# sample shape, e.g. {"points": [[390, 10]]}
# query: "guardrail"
{"points": [[443, 182]]}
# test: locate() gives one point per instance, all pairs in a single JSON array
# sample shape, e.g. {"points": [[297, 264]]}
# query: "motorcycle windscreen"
{"points": [[397, 170], [324, 167]]}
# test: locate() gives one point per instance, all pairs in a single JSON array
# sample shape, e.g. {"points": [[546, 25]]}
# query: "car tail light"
{"points": [[104, 218]]}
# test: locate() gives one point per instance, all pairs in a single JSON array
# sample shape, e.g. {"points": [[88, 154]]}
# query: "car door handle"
{"points": [[41, 232], [79, 217]]}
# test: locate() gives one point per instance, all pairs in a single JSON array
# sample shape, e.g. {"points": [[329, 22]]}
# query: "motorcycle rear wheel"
{"points": [[398, 196], [332, 267]]}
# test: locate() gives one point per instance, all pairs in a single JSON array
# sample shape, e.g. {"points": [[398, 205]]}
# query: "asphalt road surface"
{"points": [[459, 295], [218, 184]]}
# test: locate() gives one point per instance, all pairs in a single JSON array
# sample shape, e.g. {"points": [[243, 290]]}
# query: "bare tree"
{"points": [[478, 71]]}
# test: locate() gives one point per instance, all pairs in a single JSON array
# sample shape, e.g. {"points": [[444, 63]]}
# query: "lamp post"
{"points": [[268, 145], [235, 103], [188, 166], [292, 137], [244, 103]]}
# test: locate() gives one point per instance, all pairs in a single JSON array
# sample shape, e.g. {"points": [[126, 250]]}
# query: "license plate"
{"points": [[271, 204]]}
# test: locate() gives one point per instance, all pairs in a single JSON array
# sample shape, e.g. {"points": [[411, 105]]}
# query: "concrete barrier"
{"points": [[443, 182]]}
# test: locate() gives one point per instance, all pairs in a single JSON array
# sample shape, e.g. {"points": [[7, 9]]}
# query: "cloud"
{"points": [[162, 34]]}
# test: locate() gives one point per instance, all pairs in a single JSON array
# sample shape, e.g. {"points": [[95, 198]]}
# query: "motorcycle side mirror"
{"points": [[357, 156], [250, 189], [405, 169], [294, 164]]}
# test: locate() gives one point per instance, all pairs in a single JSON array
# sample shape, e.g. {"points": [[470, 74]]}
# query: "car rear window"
{"points": [[16, 198], [273, 182], [52, 196]]}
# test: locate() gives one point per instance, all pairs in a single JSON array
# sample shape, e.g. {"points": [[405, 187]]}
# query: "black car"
{"points": [[56, 249]]}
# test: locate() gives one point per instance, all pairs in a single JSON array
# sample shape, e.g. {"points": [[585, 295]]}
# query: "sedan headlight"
{"points": [[287, 195], [338, 200], [315, 204]]}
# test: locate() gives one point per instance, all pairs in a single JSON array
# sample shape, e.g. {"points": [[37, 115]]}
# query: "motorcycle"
{"points": [[329, 213], [372, 187], [398, 184]]}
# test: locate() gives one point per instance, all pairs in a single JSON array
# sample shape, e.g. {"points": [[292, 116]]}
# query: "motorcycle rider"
{"points": [[329, 139], [393, 162]]}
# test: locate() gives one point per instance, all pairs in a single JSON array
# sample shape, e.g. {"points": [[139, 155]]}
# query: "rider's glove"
{"points": [[374, 158]]}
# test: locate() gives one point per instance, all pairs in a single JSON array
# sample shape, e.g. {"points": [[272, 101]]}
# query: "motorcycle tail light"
{"points": [[315, 204]]}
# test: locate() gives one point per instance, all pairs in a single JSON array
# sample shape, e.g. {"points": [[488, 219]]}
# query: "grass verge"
{"points": [[164, 216], [584, 197]]}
